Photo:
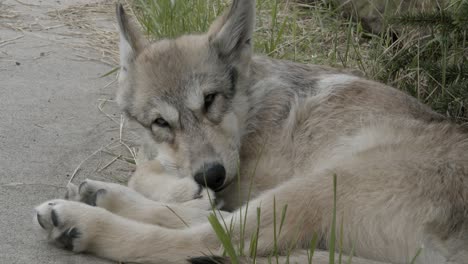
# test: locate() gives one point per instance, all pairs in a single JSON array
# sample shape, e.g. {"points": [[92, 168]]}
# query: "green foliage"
{"points": [[224, 237], [430, 58], [413, 260], [332, 244], [172, 18], [311, 250]]}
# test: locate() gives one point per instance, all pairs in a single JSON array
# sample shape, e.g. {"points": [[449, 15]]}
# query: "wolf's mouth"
{"points": [[224, 186], [198, 195]]}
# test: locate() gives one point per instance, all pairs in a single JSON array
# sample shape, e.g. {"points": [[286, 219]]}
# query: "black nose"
{"points": [[211, 176]]}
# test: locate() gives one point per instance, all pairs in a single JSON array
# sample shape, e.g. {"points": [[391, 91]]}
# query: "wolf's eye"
{"points": [[161, 122], [209, 99]]}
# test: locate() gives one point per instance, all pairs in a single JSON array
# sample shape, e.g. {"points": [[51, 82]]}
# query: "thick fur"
{"points": [[281, 130]]}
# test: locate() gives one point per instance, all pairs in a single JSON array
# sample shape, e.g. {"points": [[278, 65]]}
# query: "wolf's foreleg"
{"points": [[128, 203], [81, 227]]}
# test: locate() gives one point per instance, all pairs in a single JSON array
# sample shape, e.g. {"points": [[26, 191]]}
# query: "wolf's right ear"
{"points": [[132, 40]]}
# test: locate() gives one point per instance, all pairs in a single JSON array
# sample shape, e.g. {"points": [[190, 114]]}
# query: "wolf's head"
{"points": [[188, 93]]}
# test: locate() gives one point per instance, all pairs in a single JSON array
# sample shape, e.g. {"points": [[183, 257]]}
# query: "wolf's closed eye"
{"points": [[209, 99]]}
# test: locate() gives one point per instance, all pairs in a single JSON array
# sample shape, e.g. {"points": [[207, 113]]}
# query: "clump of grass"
{"points": [[172, 18], [430, 58]]}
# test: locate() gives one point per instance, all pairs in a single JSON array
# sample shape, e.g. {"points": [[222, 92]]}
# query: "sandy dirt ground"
{"points": [[57, 117]]}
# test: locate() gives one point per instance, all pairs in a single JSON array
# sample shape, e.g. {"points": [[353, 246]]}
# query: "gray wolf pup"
{"points": [[216, 114]]}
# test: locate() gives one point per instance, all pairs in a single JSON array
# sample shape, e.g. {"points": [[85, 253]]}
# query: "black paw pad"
{"points": [[208, 260], [67, 237], [40, 220], [54, 217], [91, 197]]}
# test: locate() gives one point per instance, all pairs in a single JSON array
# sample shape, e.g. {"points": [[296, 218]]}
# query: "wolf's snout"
{"points": [[211, 176]]}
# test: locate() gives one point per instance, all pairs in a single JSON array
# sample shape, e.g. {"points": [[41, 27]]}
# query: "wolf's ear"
{"points": [[231, 34], [132, 40]]}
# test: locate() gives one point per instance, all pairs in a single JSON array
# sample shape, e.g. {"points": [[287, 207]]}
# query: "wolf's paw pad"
{"points": [[90, 192], [110, 196], [61, 220]]}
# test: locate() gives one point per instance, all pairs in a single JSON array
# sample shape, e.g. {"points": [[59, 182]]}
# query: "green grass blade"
{"points": [[254, 241], [115, 69], [348, 41], [351, 254], [224, 238], [275, 238], [416, 256], [313, 245], [340, 255], [331, 259], [283, 218]]}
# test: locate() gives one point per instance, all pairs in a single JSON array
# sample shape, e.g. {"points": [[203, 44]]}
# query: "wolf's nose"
{"points": [[211, 176]]}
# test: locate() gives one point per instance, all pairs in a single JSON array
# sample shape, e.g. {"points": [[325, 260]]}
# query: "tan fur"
{"points": [[281, 130]]}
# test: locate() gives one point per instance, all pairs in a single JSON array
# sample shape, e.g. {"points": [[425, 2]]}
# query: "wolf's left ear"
{"points": [[231, 34], [132, 40]]}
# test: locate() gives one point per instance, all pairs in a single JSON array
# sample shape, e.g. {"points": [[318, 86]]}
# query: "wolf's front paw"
{"points": [[69, 224], [110, 196]]}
